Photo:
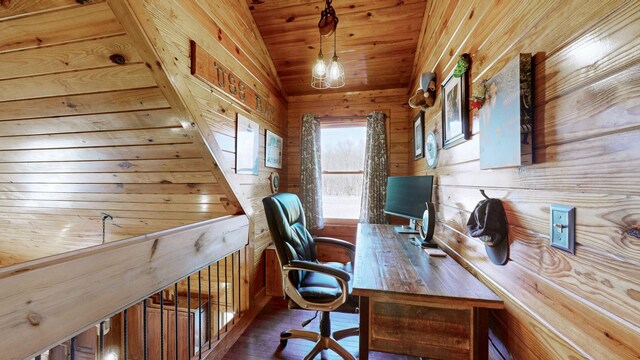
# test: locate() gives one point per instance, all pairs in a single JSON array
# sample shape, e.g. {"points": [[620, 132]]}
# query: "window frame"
{"points": [[346, 122]]}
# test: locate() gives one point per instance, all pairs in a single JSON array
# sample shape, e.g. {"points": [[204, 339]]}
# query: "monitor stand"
{"points": [[429, 244], [407, 229]]}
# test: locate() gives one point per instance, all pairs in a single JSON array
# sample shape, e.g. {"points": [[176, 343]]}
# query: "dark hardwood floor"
{"points": [[262, 337]]}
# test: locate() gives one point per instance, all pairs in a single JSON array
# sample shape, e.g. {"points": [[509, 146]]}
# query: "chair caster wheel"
{"points": [[284, 338]]}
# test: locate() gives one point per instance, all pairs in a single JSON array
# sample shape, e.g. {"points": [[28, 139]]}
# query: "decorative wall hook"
{"points": [[105, 217], [484, 194]]}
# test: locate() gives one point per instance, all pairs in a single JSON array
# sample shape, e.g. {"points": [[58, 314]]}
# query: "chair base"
{"points": [[324, 339], [322, 342]]}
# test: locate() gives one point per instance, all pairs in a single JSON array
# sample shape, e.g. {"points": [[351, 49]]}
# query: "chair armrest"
{"points": [[292, 292], [321, 268], [338, 242], [349, 247]]}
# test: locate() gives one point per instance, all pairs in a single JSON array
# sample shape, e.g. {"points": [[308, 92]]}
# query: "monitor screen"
{"points": [[407, 195]]}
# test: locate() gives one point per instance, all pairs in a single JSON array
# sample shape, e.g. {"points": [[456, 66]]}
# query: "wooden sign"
{"points": [[206, 68]]}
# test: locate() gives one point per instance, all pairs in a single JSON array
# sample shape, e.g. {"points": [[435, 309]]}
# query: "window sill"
{"points": [[332, 221]]}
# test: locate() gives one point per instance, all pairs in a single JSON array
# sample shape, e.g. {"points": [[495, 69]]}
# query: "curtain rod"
{"points": [[342, 117]]}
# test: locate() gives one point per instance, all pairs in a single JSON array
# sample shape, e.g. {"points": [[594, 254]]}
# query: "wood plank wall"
{"points": [[587, 91], [222, 29], [81, 135], [392, 102]]}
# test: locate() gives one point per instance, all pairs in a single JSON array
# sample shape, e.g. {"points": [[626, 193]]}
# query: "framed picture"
{"points": [[455, 110], [418, 133], [247, 142], [273, 151]]}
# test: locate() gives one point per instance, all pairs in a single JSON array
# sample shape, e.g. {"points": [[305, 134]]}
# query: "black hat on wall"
{"points": [[488, 222]]}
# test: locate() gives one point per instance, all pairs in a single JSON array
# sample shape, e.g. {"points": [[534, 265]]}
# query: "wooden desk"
{"points": [[417, 305]]}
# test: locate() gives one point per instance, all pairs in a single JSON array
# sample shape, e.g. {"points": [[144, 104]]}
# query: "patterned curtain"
{"points": [[311, 172], [374, 188]]}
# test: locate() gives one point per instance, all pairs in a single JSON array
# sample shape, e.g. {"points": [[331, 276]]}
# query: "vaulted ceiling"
{"points": [[377, 40]]}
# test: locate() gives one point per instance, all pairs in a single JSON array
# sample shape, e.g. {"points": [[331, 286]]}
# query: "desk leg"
{"points": [[364, 328], [480, 337]]}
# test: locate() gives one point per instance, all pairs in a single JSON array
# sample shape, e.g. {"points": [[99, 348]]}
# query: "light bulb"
{"points": [[320, 69], [111, 356], [334, 70]]}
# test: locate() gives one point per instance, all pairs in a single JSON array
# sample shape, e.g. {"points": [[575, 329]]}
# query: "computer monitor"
{"points": [[407, 197]]}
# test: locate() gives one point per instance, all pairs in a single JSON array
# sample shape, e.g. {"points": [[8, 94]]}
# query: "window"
{"points": [[343, 147]]}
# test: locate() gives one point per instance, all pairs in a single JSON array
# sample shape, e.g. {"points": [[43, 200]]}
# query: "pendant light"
{"points": [[319, 79], [336, 70], [332, 76]]}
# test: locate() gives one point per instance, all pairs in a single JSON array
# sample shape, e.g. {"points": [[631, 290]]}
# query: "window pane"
{"points": [[341, 195], [343, 148]]}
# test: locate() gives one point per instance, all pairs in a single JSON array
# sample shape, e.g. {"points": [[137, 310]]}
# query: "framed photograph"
{"points": [[273, 151], [418, 136], [247, 143], [455, 110]]}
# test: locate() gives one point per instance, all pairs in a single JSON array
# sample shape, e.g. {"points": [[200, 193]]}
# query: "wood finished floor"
{"points": [[261, 339]]}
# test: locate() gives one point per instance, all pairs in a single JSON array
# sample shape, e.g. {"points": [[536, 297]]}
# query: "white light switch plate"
{"points": [[563, 228]]}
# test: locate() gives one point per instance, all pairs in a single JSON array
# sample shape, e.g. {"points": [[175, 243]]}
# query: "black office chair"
{"points": [[309, 284]]}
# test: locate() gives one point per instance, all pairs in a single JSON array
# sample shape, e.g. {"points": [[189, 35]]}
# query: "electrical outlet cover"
{"points": [[563, 228]]}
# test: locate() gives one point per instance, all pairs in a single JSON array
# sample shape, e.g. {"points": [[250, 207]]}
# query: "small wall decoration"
{"points": [[274, 182], [506, 119], [425, 96], [462, 65], [247, 142], [431, 153], [418, 132], [478, 95], [455, 113], [273, 151]]}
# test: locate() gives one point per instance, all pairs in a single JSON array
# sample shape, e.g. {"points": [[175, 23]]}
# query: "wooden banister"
{"points": [[49, 300]]}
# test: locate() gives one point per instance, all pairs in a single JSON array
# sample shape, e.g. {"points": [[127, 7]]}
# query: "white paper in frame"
{"points": [[247, 142]]}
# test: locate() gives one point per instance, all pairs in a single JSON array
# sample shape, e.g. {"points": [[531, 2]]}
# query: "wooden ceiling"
{"points": [[377, 40]]}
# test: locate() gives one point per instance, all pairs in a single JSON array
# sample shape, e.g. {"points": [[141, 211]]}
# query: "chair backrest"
{"points": [[287, 225]]}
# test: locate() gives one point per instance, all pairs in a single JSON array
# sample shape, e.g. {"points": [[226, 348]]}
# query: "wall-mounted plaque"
{"points": [[211, 71]]}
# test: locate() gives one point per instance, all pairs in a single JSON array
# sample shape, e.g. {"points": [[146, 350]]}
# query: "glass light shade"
{"points": [[336, 73]]}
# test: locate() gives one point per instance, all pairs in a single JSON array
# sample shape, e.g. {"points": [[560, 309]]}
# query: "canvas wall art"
{"points": [[247, 143], [506, 119]]}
